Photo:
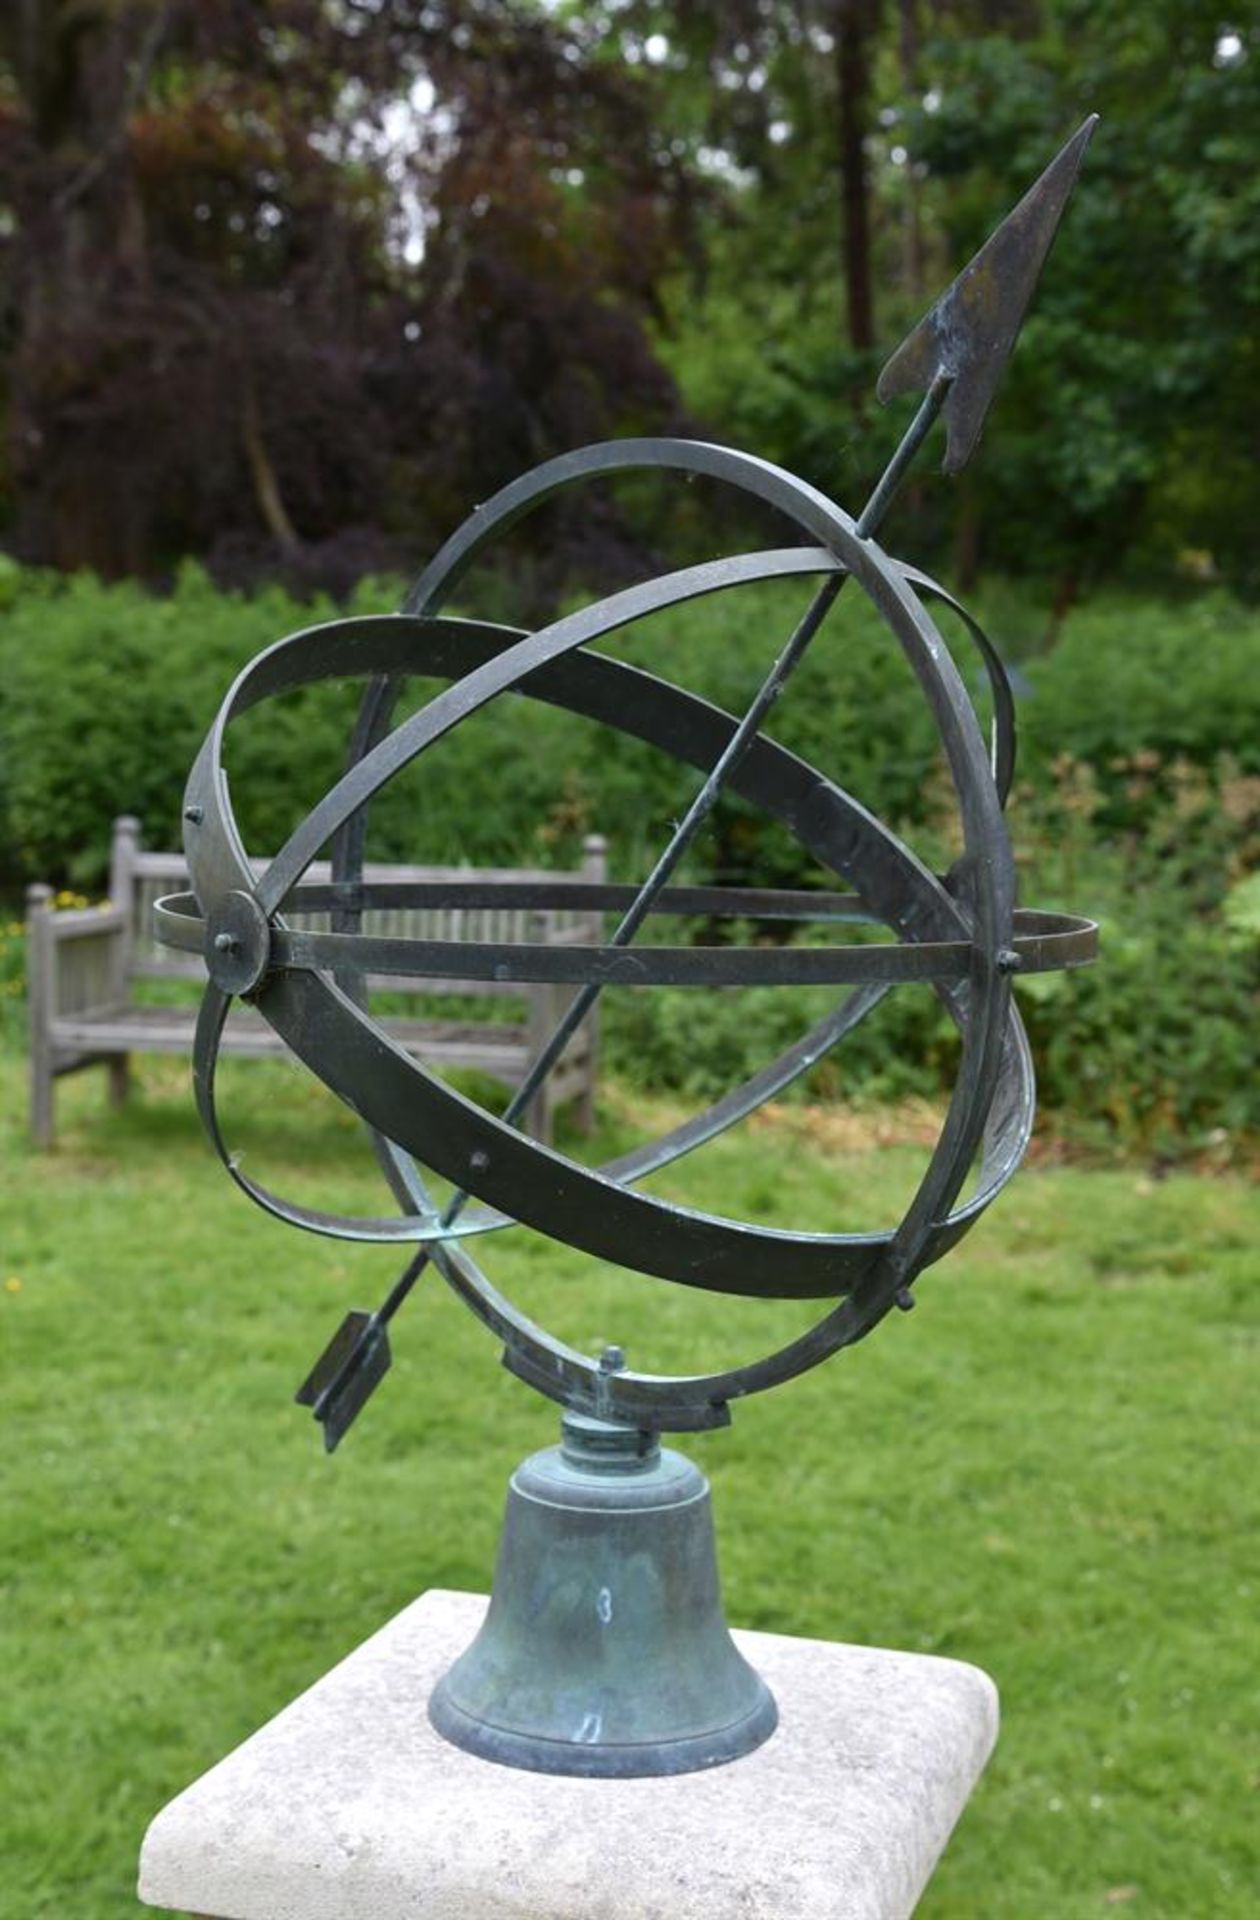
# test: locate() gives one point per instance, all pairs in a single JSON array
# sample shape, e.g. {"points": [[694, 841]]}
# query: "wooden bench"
{"points": [[84, 967]]}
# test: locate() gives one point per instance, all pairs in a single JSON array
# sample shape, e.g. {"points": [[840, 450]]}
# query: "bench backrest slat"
{"points": [[139, 879]]}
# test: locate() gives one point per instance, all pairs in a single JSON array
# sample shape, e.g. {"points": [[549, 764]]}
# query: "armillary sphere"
{"points": [[961, 932]]}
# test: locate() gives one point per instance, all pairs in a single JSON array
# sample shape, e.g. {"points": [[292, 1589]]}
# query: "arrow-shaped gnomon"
{"points": [[970, 332], [956, 355]]}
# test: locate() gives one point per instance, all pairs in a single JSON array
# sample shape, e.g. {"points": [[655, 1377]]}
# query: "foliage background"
{"points": [[287, 289], [284, 291], [1138, 801]]}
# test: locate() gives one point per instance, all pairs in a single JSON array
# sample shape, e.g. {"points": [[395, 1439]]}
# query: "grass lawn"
{"points": [[1048, 1469]]}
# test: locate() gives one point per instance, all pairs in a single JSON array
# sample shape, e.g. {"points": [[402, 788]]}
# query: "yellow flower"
{"points": [[13, 1284]]}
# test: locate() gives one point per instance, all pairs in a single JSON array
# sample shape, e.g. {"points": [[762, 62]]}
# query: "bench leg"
{"points": [[43, 1117], [40, 1000], [540, 1115], [118, 1068], [586, 1099], [546, 1005]]}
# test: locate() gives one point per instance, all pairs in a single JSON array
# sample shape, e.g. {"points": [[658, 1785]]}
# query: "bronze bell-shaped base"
{"points": [[605, 1651]]}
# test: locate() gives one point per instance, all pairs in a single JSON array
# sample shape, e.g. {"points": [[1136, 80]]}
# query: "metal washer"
{"points": [[238, 943]]}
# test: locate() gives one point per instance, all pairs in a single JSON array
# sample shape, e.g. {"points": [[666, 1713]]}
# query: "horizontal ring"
{"points": [[1042, 943]]}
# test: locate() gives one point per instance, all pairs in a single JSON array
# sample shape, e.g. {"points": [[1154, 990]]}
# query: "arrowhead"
{"points": [[971, 330], [350, 1369]]}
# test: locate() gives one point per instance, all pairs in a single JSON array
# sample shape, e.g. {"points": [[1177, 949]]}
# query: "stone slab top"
{"points": [[348, 1806]]}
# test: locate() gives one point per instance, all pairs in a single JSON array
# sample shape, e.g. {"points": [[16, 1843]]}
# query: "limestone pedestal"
{"points": [[348, 1806]]}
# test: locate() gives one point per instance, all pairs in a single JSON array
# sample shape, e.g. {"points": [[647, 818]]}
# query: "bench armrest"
{"points": [[75, 959], [80, 923]]}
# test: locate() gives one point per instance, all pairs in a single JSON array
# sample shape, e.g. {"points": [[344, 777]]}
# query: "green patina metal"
{"points": [[605, 1651]]}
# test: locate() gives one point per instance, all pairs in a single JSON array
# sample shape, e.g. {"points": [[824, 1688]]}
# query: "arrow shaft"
{"points": [[702, 805], [872, 515], [956, 354]]}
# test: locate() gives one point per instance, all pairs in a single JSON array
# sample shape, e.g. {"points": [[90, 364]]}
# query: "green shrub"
{"points": [[1133, 679], [1159, 1045], [107, 692], [1157, 1048], [704, 1043], [1138, 801], [12, 977]]}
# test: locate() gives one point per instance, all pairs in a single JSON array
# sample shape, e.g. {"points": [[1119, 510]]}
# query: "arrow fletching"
{"points": [[347, 1373], [970, 332]]}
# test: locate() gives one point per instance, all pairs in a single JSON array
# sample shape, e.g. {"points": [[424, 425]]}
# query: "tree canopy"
{"points": [[291, 288]]}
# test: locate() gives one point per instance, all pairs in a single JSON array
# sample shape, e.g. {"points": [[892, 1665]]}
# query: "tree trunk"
{"points": [[968, 532], [855, 23], [266, 485], [1066, 590], [908, 57], [80, 67]]}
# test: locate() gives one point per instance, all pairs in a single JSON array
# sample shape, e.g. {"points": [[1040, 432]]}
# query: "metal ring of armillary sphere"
{"points": [[962, 932]]}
